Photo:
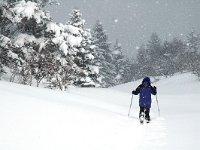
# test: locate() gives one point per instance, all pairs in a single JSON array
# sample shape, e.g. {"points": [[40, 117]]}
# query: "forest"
{"points": [[35, 50]]}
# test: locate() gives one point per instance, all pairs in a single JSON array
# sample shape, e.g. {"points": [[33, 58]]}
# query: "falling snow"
{"points": [[116, 20], [135, 20]]}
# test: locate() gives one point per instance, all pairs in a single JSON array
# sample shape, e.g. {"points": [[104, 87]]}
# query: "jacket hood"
{"points": [[146, 79]]}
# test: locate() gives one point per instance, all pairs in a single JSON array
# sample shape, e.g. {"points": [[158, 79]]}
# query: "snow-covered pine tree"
{"points": [[192, 51], [143, 67], [25, 27], [7, 30], [154, 48], [172, 57], [122, 65], [5, 59], [167, 64], [42, 3], [129, 71], [42, 53], [61, 69], [118, 60], [104, 55], [196, 68], [193, 42], [82, 51]]}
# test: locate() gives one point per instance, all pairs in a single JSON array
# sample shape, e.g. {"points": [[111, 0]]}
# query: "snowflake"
{"points": [[116, 20], [137, 47]]}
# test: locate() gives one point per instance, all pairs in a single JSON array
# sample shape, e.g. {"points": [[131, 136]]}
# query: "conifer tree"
{"points": [[82, 51], [193, 48], [5, 59], [144, 67], [122, 65], [104, 55], [42, 3], [192, 52], [154, 47], [31, 42]]}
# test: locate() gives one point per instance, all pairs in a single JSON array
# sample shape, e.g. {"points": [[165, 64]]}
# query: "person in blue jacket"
{"points": [[145, 90]]}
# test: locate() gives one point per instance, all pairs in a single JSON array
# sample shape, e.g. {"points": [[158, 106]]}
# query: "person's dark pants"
{"points": [[146, 112]]}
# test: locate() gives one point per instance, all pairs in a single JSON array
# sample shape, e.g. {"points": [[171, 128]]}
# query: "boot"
{"points": [[147, 116]]}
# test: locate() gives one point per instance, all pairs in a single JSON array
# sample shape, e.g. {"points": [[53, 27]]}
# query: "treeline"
{"points": [[157, 58], [35, 50]]}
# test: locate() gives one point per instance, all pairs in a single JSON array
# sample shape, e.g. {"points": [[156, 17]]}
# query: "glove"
{"points": [[133, 92]]}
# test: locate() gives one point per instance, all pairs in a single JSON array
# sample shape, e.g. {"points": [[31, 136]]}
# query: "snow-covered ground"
{"points": [[96, 119]]}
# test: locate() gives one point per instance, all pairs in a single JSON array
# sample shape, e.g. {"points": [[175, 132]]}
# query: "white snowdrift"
{"points": [[96, 119]]}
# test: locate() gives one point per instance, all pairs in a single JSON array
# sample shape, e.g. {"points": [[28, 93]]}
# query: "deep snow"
{"points": [[96, 119]]}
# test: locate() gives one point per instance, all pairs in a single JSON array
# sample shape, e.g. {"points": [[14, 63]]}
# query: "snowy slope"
{"points": [[96, 119]]}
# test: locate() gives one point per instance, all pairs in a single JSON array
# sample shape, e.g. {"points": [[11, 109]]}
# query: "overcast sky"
{"points": [[133, 21]]}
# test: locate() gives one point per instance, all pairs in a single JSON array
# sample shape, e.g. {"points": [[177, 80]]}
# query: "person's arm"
{"points": [[137, 91], [153, 90]]}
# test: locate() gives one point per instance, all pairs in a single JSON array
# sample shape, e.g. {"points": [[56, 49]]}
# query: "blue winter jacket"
{"points": [[145, 90]]}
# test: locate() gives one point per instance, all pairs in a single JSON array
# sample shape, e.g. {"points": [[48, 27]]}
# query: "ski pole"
{"points": [[158, 105], [130, 105]]}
